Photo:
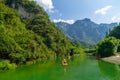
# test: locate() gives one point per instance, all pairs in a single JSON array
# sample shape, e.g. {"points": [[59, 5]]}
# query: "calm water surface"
{"points": [[78, 69]]}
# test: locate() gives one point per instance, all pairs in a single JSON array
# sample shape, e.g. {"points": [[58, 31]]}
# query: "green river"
{"points": [[78, 69]]}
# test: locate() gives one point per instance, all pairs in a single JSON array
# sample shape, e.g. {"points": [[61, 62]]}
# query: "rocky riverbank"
{"points": [[112, 59]]}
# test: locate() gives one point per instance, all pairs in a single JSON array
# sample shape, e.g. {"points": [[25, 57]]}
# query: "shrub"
{"points": [[6, 65], [107, 47]]}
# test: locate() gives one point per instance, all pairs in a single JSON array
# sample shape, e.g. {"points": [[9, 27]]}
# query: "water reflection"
{"points": [[64, 69], [109, 69]]}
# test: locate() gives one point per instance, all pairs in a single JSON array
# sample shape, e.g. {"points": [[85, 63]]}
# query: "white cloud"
{"points": [[103, 10], [66, 21], [115, 19], [46, 4]]}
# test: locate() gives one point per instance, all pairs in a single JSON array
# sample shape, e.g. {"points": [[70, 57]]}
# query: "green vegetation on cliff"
{"points": [[27, 33]]}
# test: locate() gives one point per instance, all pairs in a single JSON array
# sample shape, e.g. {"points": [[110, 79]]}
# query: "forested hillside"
{"points": [[26, 33]]}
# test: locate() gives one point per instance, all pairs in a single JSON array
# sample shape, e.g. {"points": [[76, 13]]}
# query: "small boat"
{"points": [[64, 62]]}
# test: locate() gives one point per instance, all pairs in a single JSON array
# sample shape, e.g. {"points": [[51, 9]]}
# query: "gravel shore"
{"points": [[112, 59]]}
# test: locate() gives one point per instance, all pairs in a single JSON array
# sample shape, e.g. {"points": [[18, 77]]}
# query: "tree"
{"points": [[107, 47]]}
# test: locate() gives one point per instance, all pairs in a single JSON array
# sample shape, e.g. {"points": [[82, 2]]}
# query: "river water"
{"points": [[78, 69]]}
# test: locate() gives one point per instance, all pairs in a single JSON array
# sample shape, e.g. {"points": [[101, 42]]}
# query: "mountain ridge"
{"points": [[85, 30]]}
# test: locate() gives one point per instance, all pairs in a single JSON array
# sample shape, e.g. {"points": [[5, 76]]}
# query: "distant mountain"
{"points": [[85, 32]]}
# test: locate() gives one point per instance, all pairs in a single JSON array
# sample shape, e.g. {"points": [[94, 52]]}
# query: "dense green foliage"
{"points": [[16, 42], [52, 36], [78, 50], [107, 47], [29, 36], [5, 65]]}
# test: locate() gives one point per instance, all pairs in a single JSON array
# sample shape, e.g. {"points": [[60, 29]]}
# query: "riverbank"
{"points": [[112, 59]]}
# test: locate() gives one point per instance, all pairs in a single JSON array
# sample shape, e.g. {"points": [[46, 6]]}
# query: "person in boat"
{"points": [[64, 62]]}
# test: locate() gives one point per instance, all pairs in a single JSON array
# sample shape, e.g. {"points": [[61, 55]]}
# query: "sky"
{"points": [[99, 11]]}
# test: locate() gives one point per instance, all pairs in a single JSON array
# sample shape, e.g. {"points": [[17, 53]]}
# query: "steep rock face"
{"points": [[85, 31], [25, 8], [24, 14]]}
